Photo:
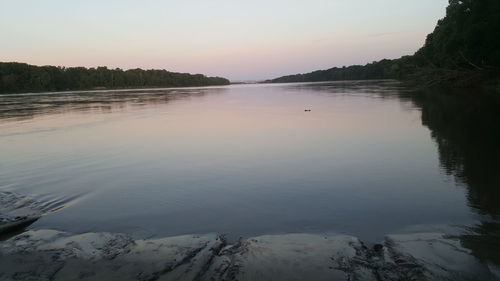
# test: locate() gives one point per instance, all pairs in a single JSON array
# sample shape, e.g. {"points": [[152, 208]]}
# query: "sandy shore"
{"points": [[55, 255]]}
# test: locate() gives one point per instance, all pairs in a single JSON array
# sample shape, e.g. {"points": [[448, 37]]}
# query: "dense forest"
{"points": [[21, 78], [463, 50]]}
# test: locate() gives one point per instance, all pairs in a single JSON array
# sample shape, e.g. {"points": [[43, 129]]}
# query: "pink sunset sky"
{"points": [[240, 40]]}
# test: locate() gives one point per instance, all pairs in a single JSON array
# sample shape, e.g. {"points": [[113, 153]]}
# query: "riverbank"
{"points": [[47, 254], [487, 80], [56, 255], [18, 77], [449, 80]]}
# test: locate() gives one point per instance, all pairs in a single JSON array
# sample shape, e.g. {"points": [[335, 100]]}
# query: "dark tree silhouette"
{"points": [[21, 77], [463, 50]]}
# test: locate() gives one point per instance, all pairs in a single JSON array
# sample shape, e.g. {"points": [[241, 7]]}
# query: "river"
{"points": [[368, 159]]}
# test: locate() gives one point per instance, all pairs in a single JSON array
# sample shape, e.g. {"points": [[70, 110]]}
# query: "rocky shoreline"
{"points": [[46, 254]]}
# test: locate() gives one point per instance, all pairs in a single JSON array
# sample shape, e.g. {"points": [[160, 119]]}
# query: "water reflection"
{"points": [[17, 107], [251, 161], [367, 88], [466, 128]]}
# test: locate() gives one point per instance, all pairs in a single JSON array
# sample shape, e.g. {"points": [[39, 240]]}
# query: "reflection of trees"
{"points": [[18, 107], [371, 88], [466, 129], [484, 241]]}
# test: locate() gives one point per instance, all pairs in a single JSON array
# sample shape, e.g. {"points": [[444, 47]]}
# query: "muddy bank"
{"points": [[55, 255], [18, 212]]}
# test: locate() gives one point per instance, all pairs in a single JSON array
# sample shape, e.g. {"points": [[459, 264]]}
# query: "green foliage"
{"points": [[375, 70], [21, 78], [467, 38], [463, 50]]}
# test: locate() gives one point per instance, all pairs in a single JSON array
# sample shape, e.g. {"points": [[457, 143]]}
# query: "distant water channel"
{"points": [[370, 158]]}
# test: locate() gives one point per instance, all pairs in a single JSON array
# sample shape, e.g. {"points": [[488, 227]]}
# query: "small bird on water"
{"points": [[307, 110]]}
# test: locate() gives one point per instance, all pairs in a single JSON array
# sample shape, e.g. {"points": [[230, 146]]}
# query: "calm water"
{"points": [[371, 158]]}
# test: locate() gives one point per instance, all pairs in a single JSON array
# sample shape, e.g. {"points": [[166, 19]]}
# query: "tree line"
{"points": [[463, 50], [21, 77]]}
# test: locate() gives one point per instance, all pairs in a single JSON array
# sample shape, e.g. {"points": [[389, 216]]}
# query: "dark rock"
{"points": [[17, 223], [378, 247]]}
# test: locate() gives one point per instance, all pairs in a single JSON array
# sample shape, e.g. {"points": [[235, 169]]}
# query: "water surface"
{"points": [[370, 158]]}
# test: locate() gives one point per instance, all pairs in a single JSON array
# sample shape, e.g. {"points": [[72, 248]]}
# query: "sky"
{"points": [[239, 40]]}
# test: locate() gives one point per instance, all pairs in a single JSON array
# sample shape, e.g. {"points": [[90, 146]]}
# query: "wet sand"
{"points": [[46, 254], [55, 255]]}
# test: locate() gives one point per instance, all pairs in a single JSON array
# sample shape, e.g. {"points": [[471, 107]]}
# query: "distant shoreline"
{"points": [[18, 77], [461, 52], [111, 90]]}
